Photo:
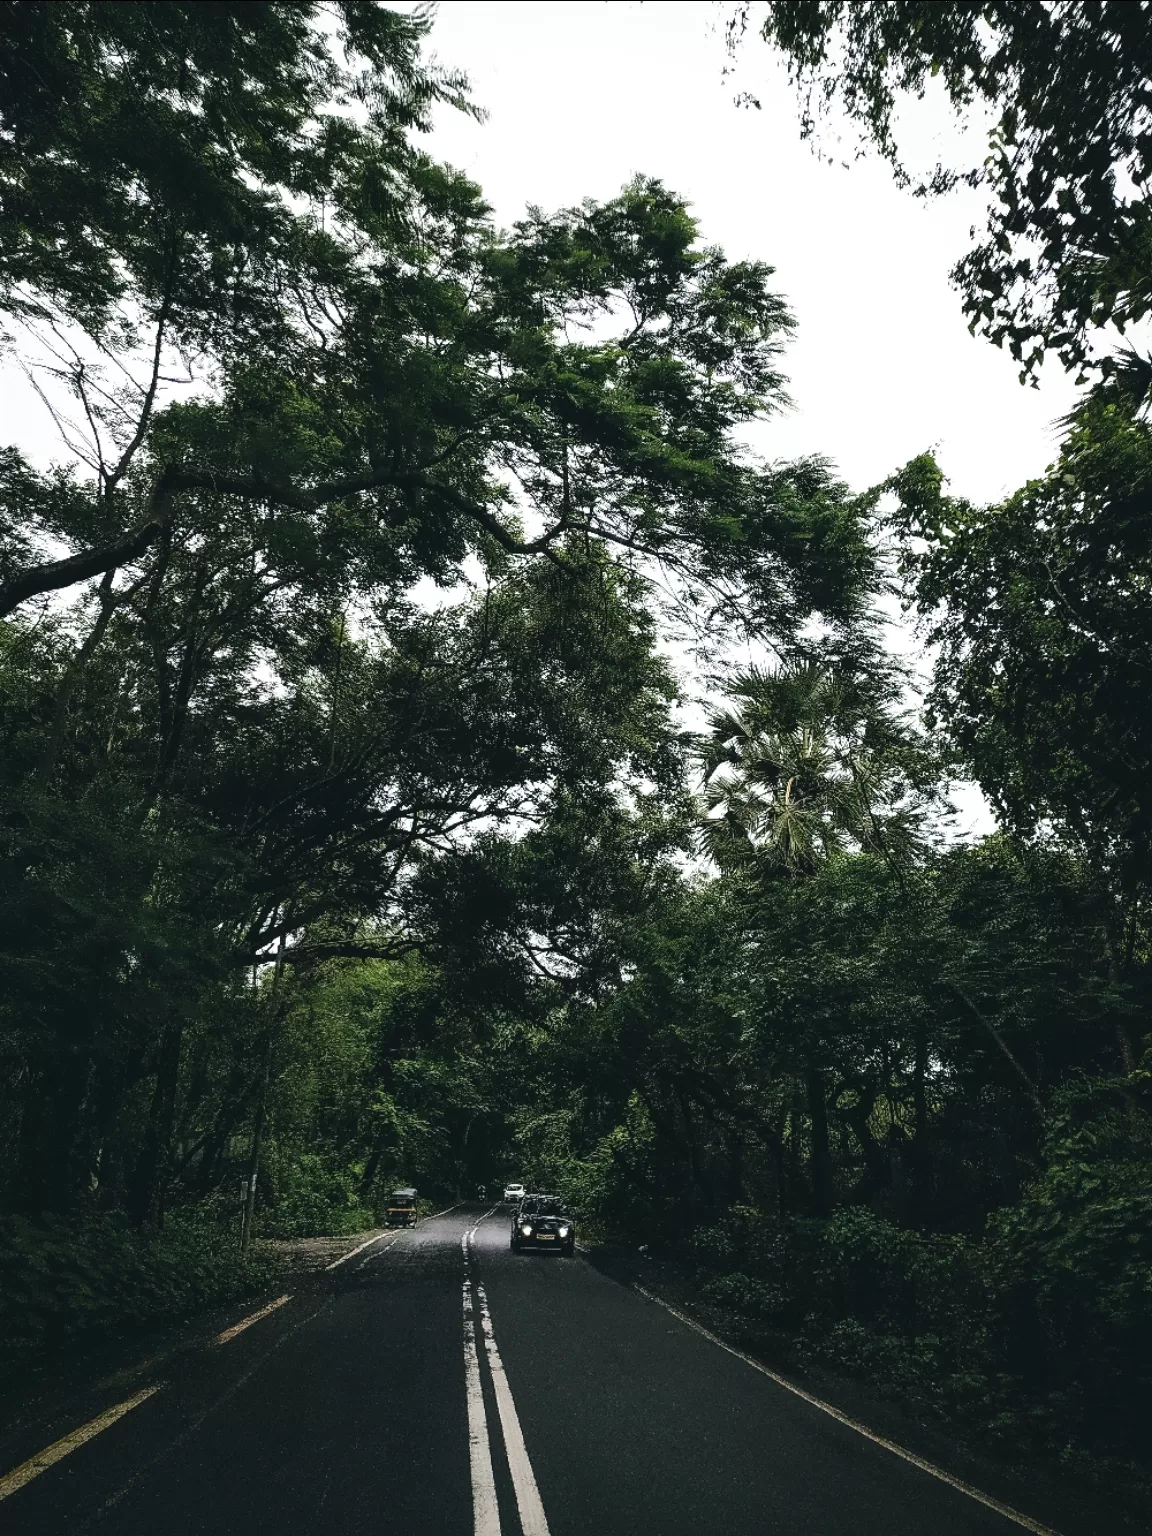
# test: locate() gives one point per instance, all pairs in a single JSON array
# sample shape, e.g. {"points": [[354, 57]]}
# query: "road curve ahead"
{"points": [[439, 1385]]}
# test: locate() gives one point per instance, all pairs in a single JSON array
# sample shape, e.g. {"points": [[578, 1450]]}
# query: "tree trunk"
{"points": [[262, 1102], [257, 1141], [73, 675], [920, 1081], [51, 1176], [821, 1151], [376, 1156], [1123, 1038], [918, 1151], [797, 1192], [783, 1193], [146, 1200], [698, 1173], [734, 1170], [217, 1140], [877, 1171]]}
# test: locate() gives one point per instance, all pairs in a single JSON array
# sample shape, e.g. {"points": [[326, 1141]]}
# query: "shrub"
{"points": [[1070, 1268], [1040, 1331], [315, 1200], [756, 1298], [68, 1282]]}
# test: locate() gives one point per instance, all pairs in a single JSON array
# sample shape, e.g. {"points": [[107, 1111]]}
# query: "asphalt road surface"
{"points": [[438, 1383]]}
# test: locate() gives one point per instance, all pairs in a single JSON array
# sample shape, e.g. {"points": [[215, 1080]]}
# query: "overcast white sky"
{"points": [[582, 95]]}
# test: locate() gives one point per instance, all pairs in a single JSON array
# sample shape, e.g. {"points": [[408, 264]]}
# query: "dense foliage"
{"points": [[350, 833], [68, 1283]]}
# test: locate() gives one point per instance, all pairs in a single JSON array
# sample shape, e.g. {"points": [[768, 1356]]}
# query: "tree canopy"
{"points": [[352, 828]]}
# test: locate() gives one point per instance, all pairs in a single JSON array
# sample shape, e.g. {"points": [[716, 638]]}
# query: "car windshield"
{"points": [[549, 1207]]}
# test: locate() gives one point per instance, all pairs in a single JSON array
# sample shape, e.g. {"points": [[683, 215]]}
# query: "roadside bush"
{"points": [[1039, 1332], [315, 1200], [856, 1292], [65, 1282], [753, 1297], [1070, 1267]]}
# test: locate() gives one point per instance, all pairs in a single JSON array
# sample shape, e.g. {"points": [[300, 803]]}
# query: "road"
{"points": [[437, 1383]]}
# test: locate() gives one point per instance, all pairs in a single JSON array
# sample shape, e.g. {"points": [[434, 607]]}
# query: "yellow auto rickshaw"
{"points": [[402, 1208]]}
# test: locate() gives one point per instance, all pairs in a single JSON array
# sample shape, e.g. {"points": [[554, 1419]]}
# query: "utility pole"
{"points": [[261, 1108]]}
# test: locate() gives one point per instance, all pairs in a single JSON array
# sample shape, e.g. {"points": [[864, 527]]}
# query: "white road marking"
{"points": [[861, 1429], [352, 1252], [532, 1518], [246, 1322], [485, 1510], [27, 1470]]}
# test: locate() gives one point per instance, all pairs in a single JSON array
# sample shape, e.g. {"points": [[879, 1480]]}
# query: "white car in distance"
{"points": [[514, 1192]]}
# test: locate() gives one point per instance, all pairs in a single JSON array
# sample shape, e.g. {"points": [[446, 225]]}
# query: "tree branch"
{"points": [[53, 575], [316, 954], [117, 473]]}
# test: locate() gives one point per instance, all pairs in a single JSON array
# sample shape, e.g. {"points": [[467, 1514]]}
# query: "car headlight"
{"points": [[526, 1231], [563, 1231]]}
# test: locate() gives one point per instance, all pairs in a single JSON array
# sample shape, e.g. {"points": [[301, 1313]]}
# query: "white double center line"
{"points": [[485, 1510], [486, 1513], [532, 1520]]}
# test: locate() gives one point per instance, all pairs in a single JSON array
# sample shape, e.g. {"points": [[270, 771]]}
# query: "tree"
{"points": [[181, 857], [429, 397], [249, 706], [182, 187], [811, 765], [154, 153], [1069, 241], [811, 762], [1042, 679]]}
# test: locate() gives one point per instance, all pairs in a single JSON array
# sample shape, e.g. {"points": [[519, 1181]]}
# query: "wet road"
{"points": [[437, 1383]]}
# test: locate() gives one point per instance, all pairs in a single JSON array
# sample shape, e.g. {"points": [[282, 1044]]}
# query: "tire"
{"points": [[569, 1249]]}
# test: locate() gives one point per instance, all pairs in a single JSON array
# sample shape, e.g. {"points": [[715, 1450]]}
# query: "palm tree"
{"points": [[804, 765]]}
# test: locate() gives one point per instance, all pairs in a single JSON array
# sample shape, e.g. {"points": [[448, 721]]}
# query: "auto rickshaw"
{"points": [[402, 1208]]}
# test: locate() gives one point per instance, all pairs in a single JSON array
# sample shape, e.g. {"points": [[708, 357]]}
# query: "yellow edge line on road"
{"points": [[246, 1322], [861, 1429], [27, 1470]]}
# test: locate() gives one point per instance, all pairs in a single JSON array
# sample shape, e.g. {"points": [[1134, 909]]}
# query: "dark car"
{"points": [[542, 1222]]}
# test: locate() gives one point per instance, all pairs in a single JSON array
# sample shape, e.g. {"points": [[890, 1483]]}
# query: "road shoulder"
{"points": [[54, 1395], [1042, 1488]]}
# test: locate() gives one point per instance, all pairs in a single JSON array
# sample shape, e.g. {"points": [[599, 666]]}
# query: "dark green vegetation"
{"points": [[76, 1279], [351, 835]]}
